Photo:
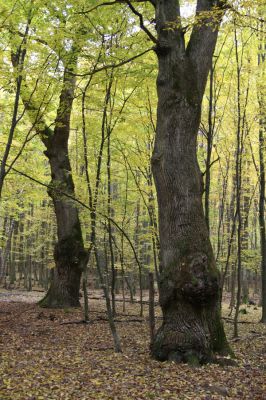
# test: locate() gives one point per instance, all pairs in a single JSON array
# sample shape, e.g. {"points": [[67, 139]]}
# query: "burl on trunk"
{"points": [[189, 284]]}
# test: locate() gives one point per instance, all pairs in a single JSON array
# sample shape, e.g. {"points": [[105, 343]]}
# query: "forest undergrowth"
{"points": [[51, 354]]}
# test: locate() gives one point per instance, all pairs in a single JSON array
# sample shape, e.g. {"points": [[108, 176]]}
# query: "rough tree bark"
{"points": [[189, 283], [69, 254]]}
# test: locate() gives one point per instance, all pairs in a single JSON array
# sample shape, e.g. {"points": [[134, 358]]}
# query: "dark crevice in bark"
{"points": [[189, 284]]}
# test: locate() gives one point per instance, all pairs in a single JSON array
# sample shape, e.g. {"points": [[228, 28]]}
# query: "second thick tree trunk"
{"points": [[69, 254]]}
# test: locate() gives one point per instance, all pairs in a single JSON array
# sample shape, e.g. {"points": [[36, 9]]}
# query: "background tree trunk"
{"points": [[262, 146]]}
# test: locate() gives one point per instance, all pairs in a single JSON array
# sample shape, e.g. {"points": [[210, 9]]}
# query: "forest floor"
{"points": [[47, 354]]}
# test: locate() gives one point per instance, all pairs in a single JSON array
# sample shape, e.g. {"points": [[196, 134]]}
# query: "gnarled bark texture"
{"points": [[69, 253], [189, 283]]}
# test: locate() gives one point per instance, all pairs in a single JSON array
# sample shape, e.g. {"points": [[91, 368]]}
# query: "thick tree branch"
{"points": [[209, 14], [169, 28]]}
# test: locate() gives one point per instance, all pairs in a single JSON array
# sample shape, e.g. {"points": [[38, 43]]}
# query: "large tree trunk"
{"points": [[189, 282], [69, 254]]}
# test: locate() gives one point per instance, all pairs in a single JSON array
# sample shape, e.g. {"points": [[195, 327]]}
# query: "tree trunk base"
{"points": [[62, 293], [54, 300], [190, 335]]}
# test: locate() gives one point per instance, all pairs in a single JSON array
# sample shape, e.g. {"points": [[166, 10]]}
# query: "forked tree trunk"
{"points": [[189, 283]]}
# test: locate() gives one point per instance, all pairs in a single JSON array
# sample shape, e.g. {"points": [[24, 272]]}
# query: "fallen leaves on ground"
{"points": [[45, 354]]}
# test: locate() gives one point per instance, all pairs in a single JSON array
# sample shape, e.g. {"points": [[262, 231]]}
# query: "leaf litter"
{"points": [[47, 354]]}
